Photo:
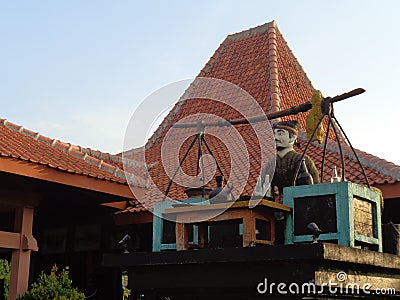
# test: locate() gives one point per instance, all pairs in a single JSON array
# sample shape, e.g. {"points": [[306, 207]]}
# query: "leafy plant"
{"points": [[126, 291], [53, 286], [5, 275]]}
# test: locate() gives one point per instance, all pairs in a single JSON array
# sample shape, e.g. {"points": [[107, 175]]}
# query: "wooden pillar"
{"points": [[181, 232], [20, 260], [249, 229], [202, 235]]}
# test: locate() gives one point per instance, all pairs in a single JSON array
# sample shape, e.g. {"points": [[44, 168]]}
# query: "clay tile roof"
{"points": [[259, 61], [20, 143]]}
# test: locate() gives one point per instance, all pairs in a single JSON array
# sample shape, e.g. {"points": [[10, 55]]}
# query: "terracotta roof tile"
{"points": [[20, 143]]}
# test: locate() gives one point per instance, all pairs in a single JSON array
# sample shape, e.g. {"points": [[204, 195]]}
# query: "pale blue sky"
{"points": [[76, 70]]}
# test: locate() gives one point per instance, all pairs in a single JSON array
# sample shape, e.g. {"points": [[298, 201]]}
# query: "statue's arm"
{"points": [[312, 169]]}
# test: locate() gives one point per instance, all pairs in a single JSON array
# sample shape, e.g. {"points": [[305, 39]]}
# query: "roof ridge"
{"points": [[206, 69], [298, 65], [79, 152], [253, 30], [132, 151], [374, 162], [100, 154], [273, 71]]}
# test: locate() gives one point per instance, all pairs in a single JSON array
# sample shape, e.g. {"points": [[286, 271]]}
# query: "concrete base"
{"points": [[262, 272]]}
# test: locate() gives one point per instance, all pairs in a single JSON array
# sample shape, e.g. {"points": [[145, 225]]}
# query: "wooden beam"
{"points": [[10, 240], [43, 172], [229, 205], [133, 218], [118, 204], [14, 240], [389, 190], [19, 198]]}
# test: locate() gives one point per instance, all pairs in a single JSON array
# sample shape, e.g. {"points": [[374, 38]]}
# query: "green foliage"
{"points": [[55, 286], [5, 275], [126, 291]]}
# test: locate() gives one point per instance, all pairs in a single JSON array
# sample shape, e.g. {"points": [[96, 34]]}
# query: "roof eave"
{"points": [[45, 173]]}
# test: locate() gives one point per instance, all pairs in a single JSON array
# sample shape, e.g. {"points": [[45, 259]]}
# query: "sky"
{"points": [[76, 70]]}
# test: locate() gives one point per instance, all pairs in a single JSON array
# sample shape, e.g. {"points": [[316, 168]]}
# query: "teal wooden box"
{"points": [[158, 223], [347, 213]]}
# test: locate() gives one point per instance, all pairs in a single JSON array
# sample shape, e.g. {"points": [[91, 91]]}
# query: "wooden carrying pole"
{"points": [[294, 110]]}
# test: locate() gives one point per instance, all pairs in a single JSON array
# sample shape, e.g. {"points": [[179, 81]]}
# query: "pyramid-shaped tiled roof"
{"points": [[260, 62]]}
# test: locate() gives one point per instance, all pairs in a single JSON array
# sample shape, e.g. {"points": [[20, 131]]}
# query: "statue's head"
{"points": [[285, 134]]}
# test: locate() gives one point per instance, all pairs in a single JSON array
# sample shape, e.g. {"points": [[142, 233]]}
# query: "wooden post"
{"points": [[202, 235], [249, 229], [272, 226], [181, 236], [20, 260]]}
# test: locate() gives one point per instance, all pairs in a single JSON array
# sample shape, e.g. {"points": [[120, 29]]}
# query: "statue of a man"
{"points": [[287, 159]]}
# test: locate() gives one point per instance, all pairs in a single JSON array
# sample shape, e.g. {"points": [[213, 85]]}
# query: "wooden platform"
{"points": [[250, 212]]}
